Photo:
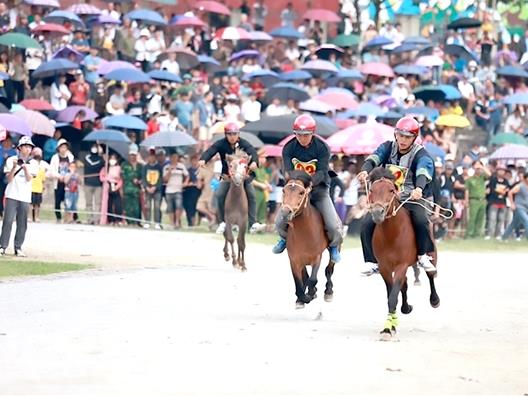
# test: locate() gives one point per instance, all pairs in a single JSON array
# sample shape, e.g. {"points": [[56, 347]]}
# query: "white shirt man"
{"points": [[400, 92], [251, 109], [275, 108]]}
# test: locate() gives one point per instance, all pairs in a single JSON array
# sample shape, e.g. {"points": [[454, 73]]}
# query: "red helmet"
{"points": [[407, 126], [231, 127], [304, 124]]}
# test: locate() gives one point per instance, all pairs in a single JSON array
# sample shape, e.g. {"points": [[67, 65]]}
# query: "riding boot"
{"points": [[320, 198], [367, 231], [221, 195], [252, 202], [281, 225], [424, 241]]}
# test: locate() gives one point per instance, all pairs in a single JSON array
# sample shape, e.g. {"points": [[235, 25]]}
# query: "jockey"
{"points": [[311, 155], [413, 168], [226, 146]]}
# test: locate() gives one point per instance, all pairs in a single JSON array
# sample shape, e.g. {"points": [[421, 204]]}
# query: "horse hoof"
{"points": [[312, 296], [243, 268], [417, 283], [227, 258], [328, 297], [406, 309], [435, 303], [299, 305], [386, 335]]}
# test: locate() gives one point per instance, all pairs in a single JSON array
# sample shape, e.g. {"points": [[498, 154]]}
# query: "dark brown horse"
{"points": [[394, 246], [306, 239], [236, 208]]}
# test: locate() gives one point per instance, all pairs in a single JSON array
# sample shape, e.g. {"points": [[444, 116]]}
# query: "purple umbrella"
{"points": [[14, 124], [107, 19], [84, 9], [65, 53], [385, 100], [510, 151], [244, 54], [257, 35], [43, 3], [69, 113], [319, 67], [113, 65]]}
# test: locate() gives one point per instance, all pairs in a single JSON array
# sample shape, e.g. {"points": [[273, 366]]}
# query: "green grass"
{"points": [[9, 268]]}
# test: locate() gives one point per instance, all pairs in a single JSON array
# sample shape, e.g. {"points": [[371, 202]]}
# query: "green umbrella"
{"points": [[19, 40], [346, 40], [508, 138]]}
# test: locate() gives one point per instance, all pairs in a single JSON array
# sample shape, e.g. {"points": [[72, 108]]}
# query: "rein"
{"points": [[304, 200]]}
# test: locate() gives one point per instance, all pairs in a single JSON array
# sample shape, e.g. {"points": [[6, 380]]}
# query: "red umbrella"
{"points": [[232, 33], [320, 14], [361, 138], [191, 21], [376, 69], [37, 104], [212, 6], [51, 28], [338, 100]]}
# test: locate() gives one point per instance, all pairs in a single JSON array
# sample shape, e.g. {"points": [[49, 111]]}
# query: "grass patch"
{"points": [[24, 268]]}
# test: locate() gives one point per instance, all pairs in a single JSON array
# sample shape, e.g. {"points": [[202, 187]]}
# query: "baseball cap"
{"points": [[133, 149]]}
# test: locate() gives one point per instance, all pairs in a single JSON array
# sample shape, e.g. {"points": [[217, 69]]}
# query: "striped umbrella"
{"points": [[38, 122], [84, 9]]}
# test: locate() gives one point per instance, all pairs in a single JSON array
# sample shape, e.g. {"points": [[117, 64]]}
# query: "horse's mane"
{"points": [[381, 173], [300, 175]]}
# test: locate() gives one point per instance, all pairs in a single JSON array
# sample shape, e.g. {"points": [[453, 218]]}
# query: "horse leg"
{"points": [[300, 275], [231, 239], [433, 298], [329, 290], [312, 281], [416, 271], [241, 242], [226, 249], [391, 322], [405, 308]]}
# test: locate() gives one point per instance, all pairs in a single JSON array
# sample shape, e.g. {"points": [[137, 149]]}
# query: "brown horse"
{"points": [[394, 246], [236, 208], [306, 239]]}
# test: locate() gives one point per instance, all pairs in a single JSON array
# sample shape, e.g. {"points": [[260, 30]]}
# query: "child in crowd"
{"points": [[37, 184], [72, 181]]}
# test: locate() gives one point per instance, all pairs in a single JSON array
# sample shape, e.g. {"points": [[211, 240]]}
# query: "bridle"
{"points": [[385, 206], [239, 161], [304, 200]]}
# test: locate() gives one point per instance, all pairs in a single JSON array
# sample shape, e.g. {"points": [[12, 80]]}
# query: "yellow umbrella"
{"points": [[453, 121], [219, 127]]}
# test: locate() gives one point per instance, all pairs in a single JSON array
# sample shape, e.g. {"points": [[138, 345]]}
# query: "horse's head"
{"points": [[238, 166], [295, 194], [382, 194]]}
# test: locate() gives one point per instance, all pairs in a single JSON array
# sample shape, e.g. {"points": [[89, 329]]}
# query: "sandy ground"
{"points": [[164, 314]]}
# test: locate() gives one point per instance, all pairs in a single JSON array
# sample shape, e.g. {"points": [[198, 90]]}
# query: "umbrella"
{"points": [[427, 112], [346, 40], [361, 138], [376, 69], [128, 75], [316, 106], [404, 48], [212, 6], [244, 54], [319, 67], [508, 138], [168, 139], [286, 32], [257, 35], [295, 75], [38, 122], [43, 3], [14, 124], [429, 61], [164, 75], [209, 63], [186, 58], [510, 151], [348, 75], [108, 67], [453, 121], [390, 115], [435, 150], [124, 121], [410, 69], [19, 40], [363, 110], [338, 100], [437, 93], [460, 52], [69, 113], [267, 77], [376, 42], [339, 90], [512, 71], [385, 101], [67, 52], [416, 40], [519, 98], [272, 150], [464, 23], [54, 67], [84, 9], [219, 127], [232, 33], [189, 21], [285, 91], [146, 16], [320, 14], [51, 28], [281, 126], [104, 19], [107, 136], [60, 16], [3, 108], [251, 138], [37, 104], [325, 50]]}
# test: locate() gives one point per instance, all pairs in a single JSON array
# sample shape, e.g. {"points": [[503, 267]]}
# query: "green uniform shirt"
{"points": [[476, 187]]}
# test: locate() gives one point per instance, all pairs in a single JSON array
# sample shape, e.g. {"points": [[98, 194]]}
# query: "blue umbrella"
{"points": [[417, 40], [427, 112], [347, 74], [365, 109], [128, 75], [512, 71], [437, 92], [519, 98], [211, 64], [286, 32], [164, 75], [405, 48], [410, 69], [54, 67], [60, 16], [286, 91], [244, 54], [107, 136], [435, 150], [295, 75], [390, 115], [124, 121], [376, 42], [267, 77], [338, 90], [147, 16], [168, 139]]}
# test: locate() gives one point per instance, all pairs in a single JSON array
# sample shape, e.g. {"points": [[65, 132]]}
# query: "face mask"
{"points": [[93, 150], [112, 162]]}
